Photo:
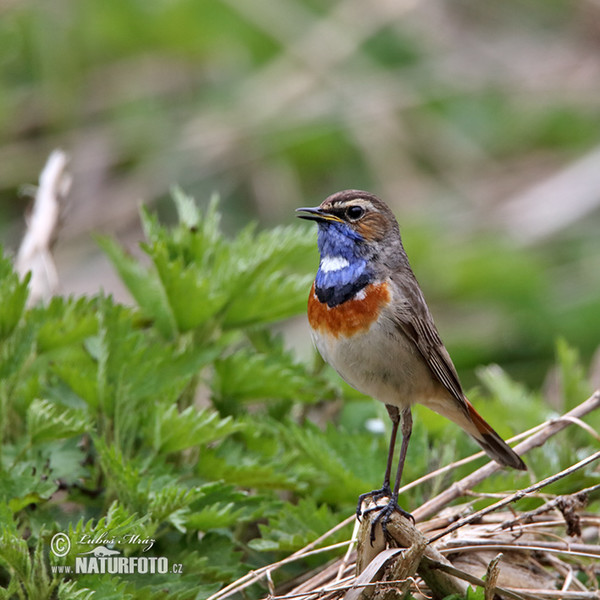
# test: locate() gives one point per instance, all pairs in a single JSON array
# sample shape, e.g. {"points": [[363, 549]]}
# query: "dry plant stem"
{"points": [[491, 577], [254, 576], [558, 594], [34, 253], [459, 574], [350, 550], [464, 461], [542, 433], [477, 545], [405, 535], [516, 496], [548, 506], [459, 488], [328, 591]]}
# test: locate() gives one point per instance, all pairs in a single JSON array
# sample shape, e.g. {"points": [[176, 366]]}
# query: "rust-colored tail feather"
{"points": [[494, 446]]}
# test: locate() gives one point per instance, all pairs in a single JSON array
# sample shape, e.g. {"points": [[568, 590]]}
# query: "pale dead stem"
{"points": [[537, 436], [34, 254]]}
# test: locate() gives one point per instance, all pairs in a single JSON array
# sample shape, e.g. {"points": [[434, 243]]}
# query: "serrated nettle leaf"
{"points": [[227, 508], [153, 230], [221, 559], [14, 293], [69, 590], [298, 525], [47, 421], [192, 296], [80, 378], [187, 211], [343, 468], [144, 285], [14, 553], [249, 474], [16, 350], [117, 523], [178, 430], [171, 503], [64, 322], [26, 482], [123, 477], [216, 516], [245, 375], [268, 298]]}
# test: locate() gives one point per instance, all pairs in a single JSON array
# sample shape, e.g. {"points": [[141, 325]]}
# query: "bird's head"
{"points": [[354, 222]]}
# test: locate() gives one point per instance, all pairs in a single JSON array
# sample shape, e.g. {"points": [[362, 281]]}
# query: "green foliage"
{"points": [[14, 295], [296, 526], [183, 422]]}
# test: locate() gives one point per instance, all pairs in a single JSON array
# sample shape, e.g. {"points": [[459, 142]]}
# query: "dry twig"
{"points": [[481, 535], [34, 253]]}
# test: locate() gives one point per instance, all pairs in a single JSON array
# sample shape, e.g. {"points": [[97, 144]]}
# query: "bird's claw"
{"points": [[384, 492], [385, 513]]}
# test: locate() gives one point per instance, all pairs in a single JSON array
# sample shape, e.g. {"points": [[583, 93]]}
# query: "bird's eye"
{"points": [[355, 212]]}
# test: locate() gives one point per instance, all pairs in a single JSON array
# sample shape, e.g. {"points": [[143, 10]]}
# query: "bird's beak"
{"points": [[317, 214]]}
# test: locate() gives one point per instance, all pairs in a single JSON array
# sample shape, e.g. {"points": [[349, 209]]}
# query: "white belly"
{"points": [[380, 362]]}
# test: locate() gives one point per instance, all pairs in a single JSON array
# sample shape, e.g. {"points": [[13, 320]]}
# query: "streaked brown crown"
{"points": [[364, 212]]}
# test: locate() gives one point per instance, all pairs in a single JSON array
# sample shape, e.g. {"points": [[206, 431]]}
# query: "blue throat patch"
{"points": [[338, 242]]}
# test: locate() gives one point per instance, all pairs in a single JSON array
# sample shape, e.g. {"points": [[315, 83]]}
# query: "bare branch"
{"points": [[459, 488], [34, 253]]}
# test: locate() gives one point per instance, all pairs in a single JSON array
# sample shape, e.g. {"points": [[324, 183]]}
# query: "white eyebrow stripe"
{"points": [[333, 263]]}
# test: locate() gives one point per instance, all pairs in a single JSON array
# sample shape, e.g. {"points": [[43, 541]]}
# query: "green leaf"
{"points": [[47, 421], [14, 296], [246, 375], [192, 295], [187, 211], [296, 526], [25, 484], [144, 286], [178, 430], [64, 322], [574, 383]]}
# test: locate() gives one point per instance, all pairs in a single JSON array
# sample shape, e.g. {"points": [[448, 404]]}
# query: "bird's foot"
{"points": [[384, 492], [385, 513]]}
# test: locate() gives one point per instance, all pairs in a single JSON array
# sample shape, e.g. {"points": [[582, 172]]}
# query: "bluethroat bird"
{"points": [[370, 322]]}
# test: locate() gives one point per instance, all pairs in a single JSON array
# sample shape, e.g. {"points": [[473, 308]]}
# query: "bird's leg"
{"points": [[385, 489], [387, 510]]}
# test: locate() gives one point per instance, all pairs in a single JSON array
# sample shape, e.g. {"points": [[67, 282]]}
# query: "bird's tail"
{"points": [[494, 446], [465, 416]]}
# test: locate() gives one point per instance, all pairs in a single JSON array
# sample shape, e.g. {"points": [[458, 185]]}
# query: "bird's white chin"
{"points": [[333, 263]]}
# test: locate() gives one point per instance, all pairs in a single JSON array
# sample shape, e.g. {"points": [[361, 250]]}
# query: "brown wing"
{"points": [[414, 319]]}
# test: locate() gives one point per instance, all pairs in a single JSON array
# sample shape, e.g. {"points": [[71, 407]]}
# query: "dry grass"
{"points": [[550, 552]]}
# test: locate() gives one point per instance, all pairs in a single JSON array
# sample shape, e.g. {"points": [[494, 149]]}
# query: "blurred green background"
{"points": [[479, 123]]}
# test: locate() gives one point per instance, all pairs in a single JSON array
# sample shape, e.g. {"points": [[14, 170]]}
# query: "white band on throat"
{"points": [[333, 263]]}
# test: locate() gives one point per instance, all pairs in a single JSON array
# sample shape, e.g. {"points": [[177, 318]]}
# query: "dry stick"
{"points": [[460, 574], [558, 594], [464, 461], [344, 588], [458, 489], [34, 253], [406, 535], [477, 546], [254, 576], [516, 496], [433, 505], [547, 506], [467, 460], [520, 593]]}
